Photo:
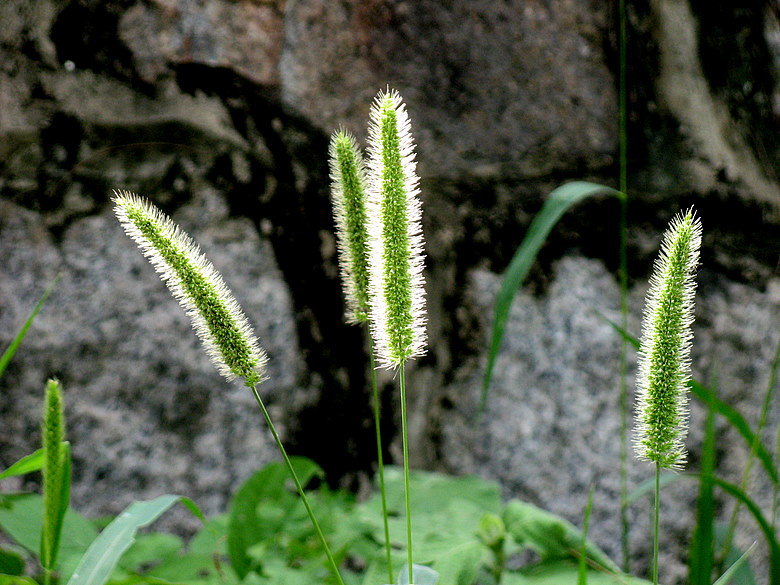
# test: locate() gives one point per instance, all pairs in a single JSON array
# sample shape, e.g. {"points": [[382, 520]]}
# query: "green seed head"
{"points": [[348, 192], [216, 316], [395, 235], [55, 474], [664, 354]]}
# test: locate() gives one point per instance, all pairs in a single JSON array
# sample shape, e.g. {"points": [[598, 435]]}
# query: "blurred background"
{"points": [[220, 112]]}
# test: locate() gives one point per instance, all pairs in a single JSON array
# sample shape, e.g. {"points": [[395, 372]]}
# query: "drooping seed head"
{"points": [[395, 235], [664, 354], [216, 316], [348, 193]]}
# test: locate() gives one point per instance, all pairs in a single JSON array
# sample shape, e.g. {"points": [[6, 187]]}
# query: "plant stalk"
{"points": [[380, 459], [304, 499], [623, 275], [402, 384], [656, 523]]}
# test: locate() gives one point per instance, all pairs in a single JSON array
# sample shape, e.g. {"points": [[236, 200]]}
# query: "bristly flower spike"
{"points": [[395, 235], [216, 316], [348, 192], [664, 354]]}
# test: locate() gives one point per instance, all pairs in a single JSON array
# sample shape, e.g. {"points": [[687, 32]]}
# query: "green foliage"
{"points": [[104, 552], [557, 203], [56, 475], [9, 352]]}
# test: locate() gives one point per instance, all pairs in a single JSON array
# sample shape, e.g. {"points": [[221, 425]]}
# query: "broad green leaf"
{"points": [[552, 537], [11, 563], [565, 573], [16, 580], [556, 204], [261, 508], [11, 349], [421, 575], [27, 464], [22, 518], [735, 419], [189, 568], [151, 549], [105, 551]]}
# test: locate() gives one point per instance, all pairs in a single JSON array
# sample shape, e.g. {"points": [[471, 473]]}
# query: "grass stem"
{"points": [[404, 433], [299, 487], [380, 459], [656, 518], [623, 275]]}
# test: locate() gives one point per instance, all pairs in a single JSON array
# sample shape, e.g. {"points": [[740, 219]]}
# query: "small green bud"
{"points": [[492, 531], [348, 192], [395, 231], [664, 354], [216, 316]]}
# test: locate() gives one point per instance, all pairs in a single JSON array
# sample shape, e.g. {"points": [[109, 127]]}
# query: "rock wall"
{"points": [[220, 111]]}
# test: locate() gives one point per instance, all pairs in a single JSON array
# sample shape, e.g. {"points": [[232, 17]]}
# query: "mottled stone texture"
{"points": [[220, 111]]}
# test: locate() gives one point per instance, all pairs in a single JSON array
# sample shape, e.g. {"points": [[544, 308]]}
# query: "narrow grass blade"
{"points": [[728, 412], [27, 464], [557, 203], [11, 349], [702, 551], [731, 572], [104, 553], [763, 524], [582, 572]]}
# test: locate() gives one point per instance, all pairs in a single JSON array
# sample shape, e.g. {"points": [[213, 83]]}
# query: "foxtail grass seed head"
{"points": [[395, 235], [348, 192], [664, 354], [216, 316]]}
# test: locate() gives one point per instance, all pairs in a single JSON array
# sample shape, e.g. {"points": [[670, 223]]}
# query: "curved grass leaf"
{"points": [[556, 204], [105, 551], [27, 464], [11, 349], [731, 575], [728, 412], [758, 516], [702, 550]]}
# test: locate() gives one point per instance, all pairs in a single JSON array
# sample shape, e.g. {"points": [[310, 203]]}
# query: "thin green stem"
{"points": [[623, 275], [304, 499], [380, 459], [657, 515], [402, 384]]}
